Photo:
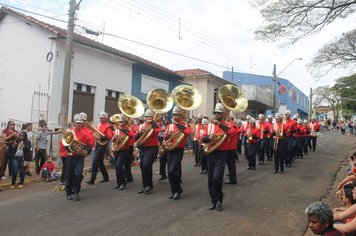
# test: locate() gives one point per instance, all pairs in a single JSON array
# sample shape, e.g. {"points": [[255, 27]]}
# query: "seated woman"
{"points": [[347, 201], [320, 219], [346, 214]]}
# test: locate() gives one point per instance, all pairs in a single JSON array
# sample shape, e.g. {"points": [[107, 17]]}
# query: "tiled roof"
{"points": [[86, 41], [192, 72]]}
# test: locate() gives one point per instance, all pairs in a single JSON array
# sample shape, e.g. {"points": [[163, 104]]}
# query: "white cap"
{"points": [[305, 122], [248, 117], [239, 121], [78, 118], [219, 108], [253, 121], [278, 116], [103, 114], [295, 116], [300, 121], [84, 115], [121, 117], [233, 115], [176, 111], [205, 121], [270, 117], [200, 116], [313, 118], [149, 112], [288, 113], [261, 116]]}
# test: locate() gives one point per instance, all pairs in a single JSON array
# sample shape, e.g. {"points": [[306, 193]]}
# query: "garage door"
{"points": [[83, 100]]}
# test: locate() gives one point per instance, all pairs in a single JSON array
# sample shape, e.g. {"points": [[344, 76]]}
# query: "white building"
{"points": [[31, 72]]}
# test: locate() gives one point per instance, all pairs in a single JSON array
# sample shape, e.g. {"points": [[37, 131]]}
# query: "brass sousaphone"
{"points": [[131, 107], [160, 102], [233, 100], [186, 98]]}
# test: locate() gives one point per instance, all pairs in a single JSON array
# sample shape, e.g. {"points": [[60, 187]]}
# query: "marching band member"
{"points": [[306, 136], [100, 149], [217, 158], [148, 150], [121, 155], [269, 148], [203, 156], [252, 135], [314, 127], [280, 144], [239, 143], [262, 143], [298, 139], [290, 126], [245, 127], [75, 161], [197, 126], [175, 156], [232, 155], [130, 158]]}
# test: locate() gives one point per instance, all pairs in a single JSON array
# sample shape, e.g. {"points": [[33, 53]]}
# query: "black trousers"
{"points": [[196, 152], [174, 159], [251, 154], [98, 163], [289, 151], [148, 156], [40, 159], [239, 146], [305, 144], [231, 165], [216, 166], [270, 142], [9, 155], [64, 169], [119, 163], [203, 158], [312, 143], [74, 176], [127, 165], [280, 155], [262, 149], [163, 164]]}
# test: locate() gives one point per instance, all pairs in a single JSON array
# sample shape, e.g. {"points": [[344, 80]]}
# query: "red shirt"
{"points": [[277, 127], [314, 127], [49, 165], [263, 128], [196, 131], [232, 142], [215, 129], [290, 126], [299, 132], [63, 152], [105, 128], [254, 132], [270, 129], [84, 136], [8, 133], [153, 139], [173, 128], [131, 135]]}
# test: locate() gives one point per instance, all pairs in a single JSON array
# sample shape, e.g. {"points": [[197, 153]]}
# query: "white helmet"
{"points": [[219, 108], [103, 114], [78, 118], [176, 111], [149, 113]]}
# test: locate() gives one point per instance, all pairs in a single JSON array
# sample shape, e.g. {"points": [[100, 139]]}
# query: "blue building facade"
{"points": [[290, 97]]}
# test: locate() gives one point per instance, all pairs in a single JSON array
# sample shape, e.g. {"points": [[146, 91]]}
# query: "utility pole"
{"points": [[274, 88], [310, 103], [67, 65]]}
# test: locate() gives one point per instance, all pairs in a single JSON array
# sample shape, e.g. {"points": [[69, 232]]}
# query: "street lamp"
{"points": [[275, 75]]}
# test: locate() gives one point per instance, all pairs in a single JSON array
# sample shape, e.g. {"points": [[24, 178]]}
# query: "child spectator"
{"points": [[48, 171]]}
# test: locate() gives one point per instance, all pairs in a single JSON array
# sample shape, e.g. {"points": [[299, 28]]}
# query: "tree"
{"points": [[324, 94], [339, 53], [345, 87], [296, 19]]}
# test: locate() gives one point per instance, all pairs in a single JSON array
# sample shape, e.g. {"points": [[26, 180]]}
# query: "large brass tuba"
{"points": [[186, 98], [233, 100], [131, 107], [159, 101], [70, 141]]}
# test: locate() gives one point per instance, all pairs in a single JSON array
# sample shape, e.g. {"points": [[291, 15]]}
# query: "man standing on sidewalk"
{"points": [[100, 149], [29, 156]]}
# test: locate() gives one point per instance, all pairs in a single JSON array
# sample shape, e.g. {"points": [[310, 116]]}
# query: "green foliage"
{"points": [[345, 87]]}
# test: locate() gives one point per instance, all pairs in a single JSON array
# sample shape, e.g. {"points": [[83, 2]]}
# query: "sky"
{"points": [[187, 34]]}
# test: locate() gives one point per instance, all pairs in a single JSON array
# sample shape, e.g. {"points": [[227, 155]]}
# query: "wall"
{"points": [[23, 67]]}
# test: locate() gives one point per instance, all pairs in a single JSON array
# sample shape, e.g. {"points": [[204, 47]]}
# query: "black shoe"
{"points": [[122, 186], [69, 197], [104, 180], [219, 205], [129, 180], [201, 172], [212, 207], [231, 182], [253, 168], [205, 172], [142, 190], [76, 197], [196, 164], [249, 168], [171, 196], [116, 187], [275, 172], [162, 178], [177, 196], [148, 189], [282, 172], [90, 182]]}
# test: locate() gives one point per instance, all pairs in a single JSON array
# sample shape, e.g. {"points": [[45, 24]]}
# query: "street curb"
{"points": [[27, 181]]}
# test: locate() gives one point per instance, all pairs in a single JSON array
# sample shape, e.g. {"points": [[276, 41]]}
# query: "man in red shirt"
{"points": [[148, 150], [314, 127], [253, 135], [217, 158], [290, 125], [100, 149], [175, 156], [75, 160], [232, 156], [280, 145], [269, 146], [263, 127], [197, 126]]}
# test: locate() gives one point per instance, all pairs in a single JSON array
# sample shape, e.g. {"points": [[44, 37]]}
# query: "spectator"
{"points": [[10, 137], [346, 214], [320, 218], [29, 157], [48, 171], [41, 147], [22, 146], [2, 156]]}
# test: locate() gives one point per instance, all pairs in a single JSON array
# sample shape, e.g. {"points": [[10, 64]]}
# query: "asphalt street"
{"points": [[262, 203]]}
